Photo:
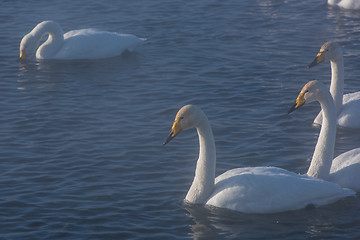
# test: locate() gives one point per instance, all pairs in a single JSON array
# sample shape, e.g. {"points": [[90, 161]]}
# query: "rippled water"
{"points": [[81, 153]]}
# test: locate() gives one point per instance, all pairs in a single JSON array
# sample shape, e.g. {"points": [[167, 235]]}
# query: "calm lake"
{"points": [[81, 153]]}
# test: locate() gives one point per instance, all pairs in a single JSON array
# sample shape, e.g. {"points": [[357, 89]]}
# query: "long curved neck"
{"points": [[337, 81], [54, 42], [203, 183], [324, 150]]}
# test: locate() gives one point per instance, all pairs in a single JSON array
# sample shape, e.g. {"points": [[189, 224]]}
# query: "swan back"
{"points": [[95, 44]]}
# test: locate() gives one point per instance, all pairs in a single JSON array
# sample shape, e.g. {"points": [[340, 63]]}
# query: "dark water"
{"points": [[81, 153]]}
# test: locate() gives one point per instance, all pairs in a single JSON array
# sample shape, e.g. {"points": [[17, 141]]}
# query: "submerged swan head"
{"points": [[30, 42], [311, 92], [187, 117], [329, 51], [28, 46]]}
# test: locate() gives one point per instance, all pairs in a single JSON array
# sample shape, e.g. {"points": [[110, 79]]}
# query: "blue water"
{"points": [[81, 141]]}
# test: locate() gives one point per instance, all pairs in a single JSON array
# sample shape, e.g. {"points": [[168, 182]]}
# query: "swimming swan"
{"points": [[347, 4], [344, 169], [77, 44], [251, 189], [347, 106]]}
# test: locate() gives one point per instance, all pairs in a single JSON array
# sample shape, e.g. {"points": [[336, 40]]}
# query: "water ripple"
{"points": [[82, 153]]}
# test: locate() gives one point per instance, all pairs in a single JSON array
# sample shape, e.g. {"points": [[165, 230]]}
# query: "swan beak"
{"points": [[320, 57], [22, 55], [300, 100], [176, 129]]}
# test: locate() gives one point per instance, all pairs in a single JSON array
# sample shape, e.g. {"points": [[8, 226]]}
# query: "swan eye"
{"points": [[181, 118]]}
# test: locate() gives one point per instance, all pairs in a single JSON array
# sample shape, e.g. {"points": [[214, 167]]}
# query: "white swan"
{"points": [[344, 169], [251, 189], [347, 106], [347, 4], [77, 44]]}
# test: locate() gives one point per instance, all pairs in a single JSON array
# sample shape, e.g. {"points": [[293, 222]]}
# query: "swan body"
{"points": [[76, 44], [348, 105], [270, 190], [349, 116], [252, 189], [344, 169], [347, 4]]}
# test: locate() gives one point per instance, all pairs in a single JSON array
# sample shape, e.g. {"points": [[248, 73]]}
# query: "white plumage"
{"points": [[344, 169], [248, 190], [347, 4], [76, 44], [348, 105]]}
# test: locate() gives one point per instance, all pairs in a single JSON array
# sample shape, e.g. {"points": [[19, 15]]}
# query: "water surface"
{"points": [[81, 141]]}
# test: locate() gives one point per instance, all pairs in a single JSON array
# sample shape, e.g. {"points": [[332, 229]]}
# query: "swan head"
{"points": [[187, 117], [28, 47], [311, 92], [329, 51]]}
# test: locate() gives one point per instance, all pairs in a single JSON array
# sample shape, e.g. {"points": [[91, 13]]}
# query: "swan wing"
{"points": [[270, 189], [345, 170], [350, 4], [347, 4], [93, 44], [349, 97], [350, 113]]}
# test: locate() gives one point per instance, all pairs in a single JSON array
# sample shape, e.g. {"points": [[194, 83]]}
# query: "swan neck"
{"points": [[54, 42], [337, 82], [203, 183], [324, 150]]}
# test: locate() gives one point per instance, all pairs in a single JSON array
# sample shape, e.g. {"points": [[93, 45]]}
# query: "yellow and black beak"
{"points": [[300, 100], [320, 57], [23, 55], [176, 129]]}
